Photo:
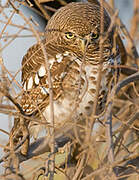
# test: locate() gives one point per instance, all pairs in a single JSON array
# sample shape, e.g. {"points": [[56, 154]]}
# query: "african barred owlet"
{"points": [[72, 44]]}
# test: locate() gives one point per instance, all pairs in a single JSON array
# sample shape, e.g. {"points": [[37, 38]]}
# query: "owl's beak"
{"points": [[83, 44]]}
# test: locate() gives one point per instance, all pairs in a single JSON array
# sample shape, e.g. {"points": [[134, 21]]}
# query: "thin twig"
{"points": [[44, 12]]}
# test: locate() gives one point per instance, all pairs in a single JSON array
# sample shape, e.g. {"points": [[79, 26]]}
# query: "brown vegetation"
{"points": [[111, 153]]}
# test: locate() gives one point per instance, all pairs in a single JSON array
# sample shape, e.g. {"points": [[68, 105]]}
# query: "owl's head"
{"points": [[76, 28]]}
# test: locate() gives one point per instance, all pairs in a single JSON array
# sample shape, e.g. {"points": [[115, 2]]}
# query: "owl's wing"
{"points": [[35, 76]]}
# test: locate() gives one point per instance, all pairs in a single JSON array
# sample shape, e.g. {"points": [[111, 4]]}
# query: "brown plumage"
{"points": [[71, 43]]}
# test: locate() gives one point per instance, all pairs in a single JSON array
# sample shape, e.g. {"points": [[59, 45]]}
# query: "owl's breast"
{"points": [[79, 90]]}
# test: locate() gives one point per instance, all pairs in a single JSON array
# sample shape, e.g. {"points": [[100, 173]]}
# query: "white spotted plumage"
{"points": [[36, 79], [59, 58], [44, 90], [51, 62], [42, 71], [30, 83]]}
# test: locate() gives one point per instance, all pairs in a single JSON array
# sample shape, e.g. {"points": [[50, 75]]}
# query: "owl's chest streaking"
{"points": [[78, 88]]}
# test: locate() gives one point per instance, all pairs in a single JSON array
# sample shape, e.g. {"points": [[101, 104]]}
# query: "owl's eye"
{"points": [[69, 35], [94, 36]]}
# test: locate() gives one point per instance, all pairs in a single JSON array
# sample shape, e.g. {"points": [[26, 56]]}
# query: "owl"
{"points": [[72, 46]]}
